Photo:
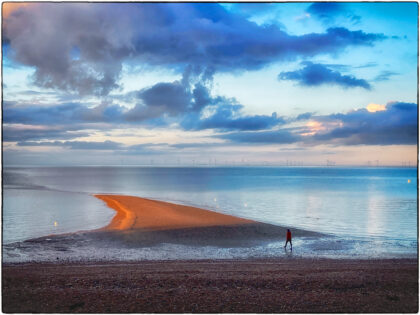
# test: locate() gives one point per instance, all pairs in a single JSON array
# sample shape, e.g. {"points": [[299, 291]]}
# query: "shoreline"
{"points": [[213, 286], [152, 230], [284, 284]]}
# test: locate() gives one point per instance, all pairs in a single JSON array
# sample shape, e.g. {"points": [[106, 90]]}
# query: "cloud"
{"points": [[281, 136], [176, 35], [163, 98], [227, 116], [65, 113], [396, 125], [325, 9], [76, 145], [190, 94], [327, 12], [13, 133], [107, 145], [317, 74], [304, 116], [172, 96], [385, 76], [187, 102]]}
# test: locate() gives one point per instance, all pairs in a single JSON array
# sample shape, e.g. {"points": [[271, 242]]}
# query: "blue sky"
{"points": [[200, 83]]}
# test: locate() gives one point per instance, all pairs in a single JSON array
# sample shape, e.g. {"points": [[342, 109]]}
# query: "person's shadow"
{"points": [[288, 253]]}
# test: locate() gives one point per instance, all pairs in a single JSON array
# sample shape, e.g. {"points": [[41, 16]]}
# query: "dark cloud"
{"points": [[317, 74], [327, 12], [396, 125], [190, 94], [172, 96], [227, 116], [326, 9], [161, 99], [190, 101], [106, 35], [202, 97]]}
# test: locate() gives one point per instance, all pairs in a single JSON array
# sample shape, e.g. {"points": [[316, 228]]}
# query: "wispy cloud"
{"points": [[385, 75]]}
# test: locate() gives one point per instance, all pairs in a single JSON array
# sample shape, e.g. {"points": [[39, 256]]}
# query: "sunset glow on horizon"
{"points": [[210, 84]]}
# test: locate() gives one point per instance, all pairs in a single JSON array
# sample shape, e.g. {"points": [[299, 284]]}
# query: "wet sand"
{"points": [[221, 286]]}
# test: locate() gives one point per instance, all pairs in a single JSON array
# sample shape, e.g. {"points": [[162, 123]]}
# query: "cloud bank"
{"points": [[396, 125], [81, 47]]}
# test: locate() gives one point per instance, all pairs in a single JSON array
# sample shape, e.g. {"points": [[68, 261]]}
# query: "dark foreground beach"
{"points": [[285, 284], [249, 286]]}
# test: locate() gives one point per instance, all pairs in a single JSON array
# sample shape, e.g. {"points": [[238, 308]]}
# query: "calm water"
{"points": [[375, 206]]}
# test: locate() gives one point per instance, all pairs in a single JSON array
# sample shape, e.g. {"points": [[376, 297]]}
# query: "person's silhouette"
{"points": [[288, 239]]}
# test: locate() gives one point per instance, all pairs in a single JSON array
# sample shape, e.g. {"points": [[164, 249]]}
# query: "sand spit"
{"points": [[141, 213], [145, 222]]}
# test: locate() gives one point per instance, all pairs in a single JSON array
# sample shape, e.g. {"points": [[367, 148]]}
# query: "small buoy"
{"points": [[409, 181], [55, 223]]}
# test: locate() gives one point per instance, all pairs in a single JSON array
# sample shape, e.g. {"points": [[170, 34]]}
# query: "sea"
{"points": [[361, 213]]}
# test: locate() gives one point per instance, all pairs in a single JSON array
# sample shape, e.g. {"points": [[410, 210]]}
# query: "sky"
{"points": [[210, 83]]}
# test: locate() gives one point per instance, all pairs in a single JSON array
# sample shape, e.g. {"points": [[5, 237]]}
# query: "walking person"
{"points": [[288, 239]]}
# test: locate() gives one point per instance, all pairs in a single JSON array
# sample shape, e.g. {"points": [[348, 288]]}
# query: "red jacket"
{"points": [[289, 236]]}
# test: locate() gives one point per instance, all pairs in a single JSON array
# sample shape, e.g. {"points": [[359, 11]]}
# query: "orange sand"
{"points": [[140, 213]]}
